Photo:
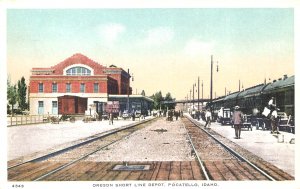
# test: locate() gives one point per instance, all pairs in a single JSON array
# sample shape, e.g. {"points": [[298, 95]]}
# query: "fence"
{"points": [[26, 119]]}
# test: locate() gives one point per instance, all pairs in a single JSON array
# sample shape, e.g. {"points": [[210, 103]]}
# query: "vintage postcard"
{"points": [[153, 95]]}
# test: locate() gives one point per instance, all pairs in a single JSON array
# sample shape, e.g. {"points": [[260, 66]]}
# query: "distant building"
{"points": [[75, 84], [133, 103]]}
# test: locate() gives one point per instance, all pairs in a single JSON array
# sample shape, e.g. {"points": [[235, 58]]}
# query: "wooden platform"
{"points": [[94, 171]]}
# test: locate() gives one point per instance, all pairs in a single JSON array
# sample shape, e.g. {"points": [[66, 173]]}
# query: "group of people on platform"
{"points": [[273, 115], [238, 116], [133, 115], [176, 113], [205, 115]]}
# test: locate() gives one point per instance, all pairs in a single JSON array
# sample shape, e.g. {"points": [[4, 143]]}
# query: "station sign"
{"points": [[112, 107]]}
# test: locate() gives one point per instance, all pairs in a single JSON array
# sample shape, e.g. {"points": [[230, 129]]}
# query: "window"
{"points": [[82, 87], [68, 87], [41, 107], [54, 104], [41, 87], [96, 87], [41, 104], [78, 71], [54, 107], [54, 87]]}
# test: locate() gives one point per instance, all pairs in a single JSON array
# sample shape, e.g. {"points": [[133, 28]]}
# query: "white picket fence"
{"points": [[26, 119]]}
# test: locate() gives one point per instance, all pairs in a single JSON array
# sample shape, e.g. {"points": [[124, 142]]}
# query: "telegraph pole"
{"points": [[127, 105], [198, 93], [187, 102], [202, 93], [193, 95], [190, 95], [211, 78]]}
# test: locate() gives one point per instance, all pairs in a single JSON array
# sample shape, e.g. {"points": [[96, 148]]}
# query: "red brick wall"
{"points": [[78, 59], [125, 83], [75, 84], [47, 86], [33, 87], [103, 87], [61, 87], [112, 86], [112, 83], [117, 77]]}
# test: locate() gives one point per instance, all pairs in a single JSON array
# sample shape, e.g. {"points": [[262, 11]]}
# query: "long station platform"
{"points": [[278, 149]]}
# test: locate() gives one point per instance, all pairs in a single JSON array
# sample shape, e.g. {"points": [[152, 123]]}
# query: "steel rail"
{"points": [[74, 161], [236, 154], [198, 157], [104, 134], [86, 155]]}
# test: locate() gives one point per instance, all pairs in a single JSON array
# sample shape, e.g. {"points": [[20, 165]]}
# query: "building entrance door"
{"points": [[99, 107], [71, 105]]}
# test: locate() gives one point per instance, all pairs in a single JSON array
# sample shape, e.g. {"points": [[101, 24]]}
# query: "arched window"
{"points": [[78, 71]]}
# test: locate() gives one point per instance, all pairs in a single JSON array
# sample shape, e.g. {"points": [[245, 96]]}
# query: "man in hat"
{"points": [[237, 119], [271, 104], [207, 118]]}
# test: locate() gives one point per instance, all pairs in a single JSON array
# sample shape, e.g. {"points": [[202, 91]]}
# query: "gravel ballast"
{"points": [[160, 141]]}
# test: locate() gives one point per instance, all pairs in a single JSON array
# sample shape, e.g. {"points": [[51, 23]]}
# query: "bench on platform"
{"points": [[285, 125], [247, 125], [247, 122]]}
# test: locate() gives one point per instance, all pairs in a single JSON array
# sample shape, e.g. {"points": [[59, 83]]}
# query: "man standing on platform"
{"points": [[272, 104], [274, 122], [207, 118], [237, 119], [111, 119]]}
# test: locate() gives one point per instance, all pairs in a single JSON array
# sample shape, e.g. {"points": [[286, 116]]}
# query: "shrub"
{"points": [[64, 117]]}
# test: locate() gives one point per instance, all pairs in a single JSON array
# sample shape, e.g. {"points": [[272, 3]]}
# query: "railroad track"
{"points": [[212, 161], [221, 160], [41, 167]]}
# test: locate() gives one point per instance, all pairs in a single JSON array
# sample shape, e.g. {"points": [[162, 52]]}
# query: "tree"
{"points": [[22, 91], [157, 97], [169, 98], [143, 93], [11, 95]]}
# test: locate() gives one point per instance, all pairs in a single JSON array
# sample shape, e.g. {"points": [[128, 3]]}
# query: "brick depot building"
{"points": [[72, 86]]}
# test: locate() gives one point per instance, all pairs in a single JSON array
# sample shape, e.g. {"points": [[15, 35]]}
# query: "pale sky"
{"points": [[165, 49]]}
